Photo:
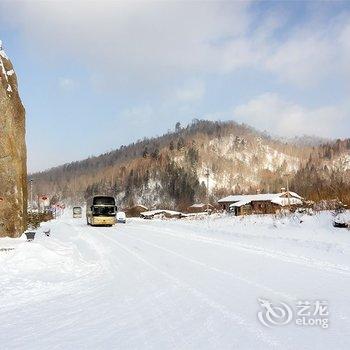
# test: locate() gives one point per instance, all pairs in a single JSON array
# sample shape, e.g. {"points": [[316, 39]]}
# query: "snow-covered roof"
{"points": [[257, 197], [283, 201], [159, 211], [240, 203], [198, 205], [277, 198], [248, 197]]}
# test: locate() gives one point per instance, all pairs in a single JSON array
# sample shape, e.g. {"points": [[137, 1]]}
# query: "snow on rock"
{"points": [[2, 52], [2, 66], [6, 72], [13, 165]]}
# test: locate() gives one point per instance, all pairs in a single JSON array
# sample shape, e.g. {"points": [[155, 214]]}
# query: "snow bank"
{"points": [[47, 255], [309, 236], [43, 266]]}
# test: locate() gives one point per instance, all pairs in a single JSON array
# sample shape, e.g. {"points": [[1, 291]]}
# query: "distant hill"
{"points": [[170, 170], [306, 140]]}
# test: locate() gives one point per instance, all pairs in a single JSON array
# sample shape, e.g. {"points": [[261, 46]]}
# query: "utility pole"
{"points": [[75, 188], [207, 174], [112, 183], [31, 194], [288, 195]]}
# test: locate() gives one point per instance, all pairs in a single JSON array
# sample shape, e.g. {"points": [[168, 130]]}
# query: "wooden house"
{"points": [[199, 208], [266, 203]]}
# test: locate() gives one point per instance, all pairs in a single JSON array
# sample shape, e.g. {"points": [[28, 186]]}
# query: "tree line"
{"points": [[168, 170]]}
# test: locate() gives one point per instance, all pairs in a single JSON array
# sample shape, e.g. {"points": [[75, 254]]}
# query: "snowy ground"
{"points": [[189, 284]]}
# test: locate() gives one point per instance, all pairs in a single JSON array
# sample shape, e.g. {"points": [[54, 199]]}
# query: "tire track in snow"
{"points": [[246, 326], [289, 258], [305, 243], [286, 296], [289, 297], [93, 251], [223, 272]]}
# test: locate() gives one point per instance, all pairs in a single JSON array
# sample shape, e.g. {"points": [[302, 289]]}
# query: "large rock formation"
{"points": [[13, 155]]}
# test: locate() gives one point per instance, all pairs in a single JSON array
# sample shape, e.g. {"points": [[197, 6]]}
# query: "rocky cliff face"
{"points": [[13, 169]]}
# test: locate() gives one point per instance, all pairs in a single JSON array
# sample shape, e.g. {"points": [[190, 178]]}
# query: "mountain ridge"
{"points": [[169, 170]]}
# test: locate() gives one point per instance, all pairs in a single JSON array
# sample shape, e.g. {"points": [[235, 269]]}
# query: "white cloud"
{"points": [[343, 40], [305, 58], [123, 41], [192, 91], [138, 116], [67, 83], [150, 43], [271, 112], [151, 49]]}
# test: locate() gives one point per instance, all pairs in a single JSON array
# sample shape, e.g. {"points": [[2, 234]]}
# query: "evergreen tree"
{"points": [[178, 127], [145, 153], [180, 144]]}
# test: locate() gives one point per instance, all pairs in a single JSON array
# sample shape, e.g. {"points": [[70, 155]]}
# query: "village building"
{"points": [[266, 203], [200, 208]]}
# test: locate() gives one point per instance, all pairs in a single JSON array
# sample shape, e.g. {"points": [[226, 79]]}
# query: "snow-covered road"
{"points": [[174, 285]]}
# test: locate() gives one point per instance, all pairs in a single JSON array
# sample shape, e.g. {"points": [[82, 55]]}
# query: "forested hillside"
{"points": [[170, 170], [326, 174]]}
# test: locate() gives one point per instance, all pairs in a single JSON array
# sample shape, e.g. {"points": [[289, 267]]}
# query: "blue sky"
{"points": [[96, 75]]}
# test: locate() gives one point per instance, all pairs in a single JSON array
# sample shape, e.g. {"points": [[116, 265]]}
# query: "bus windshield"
{"points": [[103, 201], [104, 211]]}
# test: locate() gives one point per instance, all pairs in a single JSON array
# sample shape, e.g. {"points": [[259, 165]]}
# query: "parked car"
{"points": [[121, 217], [342, 220]]}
